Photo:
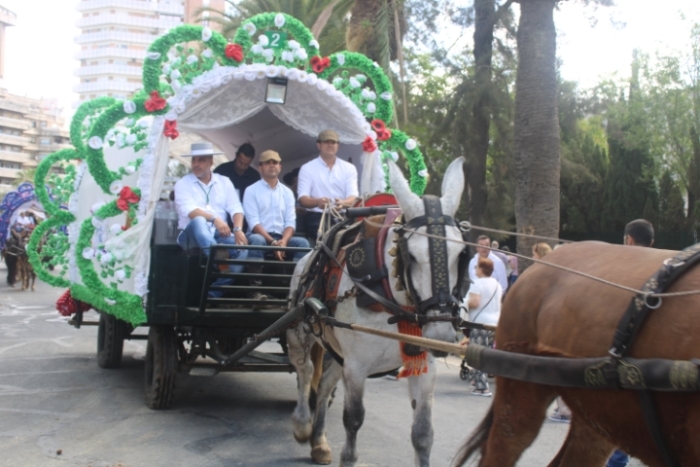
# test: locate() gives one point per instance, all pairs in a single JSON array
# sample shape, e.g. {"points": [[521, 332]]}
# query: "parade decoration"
{"points": [[180, 67]]}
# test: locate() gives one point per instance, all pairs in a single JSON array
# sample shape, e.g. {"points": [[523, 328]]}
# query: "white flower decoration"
{"points": [[110, 302], [207, 53], [386, 95], [153, 55], [179, 108], [312, 79], [131, 139], [130, 169], [129, 122], [110, 134], [263, 40], [115, 187], [120, 274], [303, 76], [288, 56], [376, 65], [271, 71], [145, 123], [206, 34], [269, 54], [96, 206], [340, 58], [96, 222], [354, 82], [172, 115], [106, 258], [314, 43], [294, 45], [129, 107], [361, 78], [394, 156], [366, 93], [115, 229], [192, 59], [249, 75], [257, 49], [95, 142], [301, 54], [196, 92], [279, 20], [166, 69], [175, 74], [249, 28], [88, 253], [337, 81], [423, 173], [118, 255], [411, 144], [372, 96], [175, 85], [292, 74], [187, 90]]}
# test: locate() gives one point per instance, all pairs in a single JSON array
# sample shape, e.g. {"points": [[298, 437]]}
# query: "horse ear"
{"points": [[410, 202], [452, 187]]}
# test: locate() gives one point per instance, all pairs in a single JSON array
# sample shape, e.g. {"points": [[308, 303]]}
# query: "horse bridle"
{"points": [[435, 222]]}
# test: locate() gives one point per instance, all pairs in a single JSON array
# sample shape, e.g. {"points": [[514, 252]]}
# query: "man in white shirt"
{"points": [[325, 181], [499, 269], [270, 211], [204, 200]]}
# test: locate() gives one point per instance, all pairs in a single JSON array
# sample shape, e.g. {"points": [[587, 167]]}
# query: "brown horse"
{"points": [[554, 313], [17, 246]]}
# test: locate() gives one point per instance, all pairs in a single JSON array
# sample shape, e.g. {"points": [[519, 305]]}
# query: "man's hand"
{"points": [[240, 238], [322, 202], [279, 254], [222, 227]]}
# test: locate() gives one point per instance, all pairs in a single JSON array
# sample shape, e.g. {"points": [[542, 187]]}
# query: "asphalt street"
{"points": [[58, 408]]}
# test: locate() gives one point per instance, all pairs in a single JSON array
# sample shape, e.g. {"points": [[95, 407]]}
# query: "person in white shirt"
{"points": [[326, 181], [204, 200], [483, 302], [499, 269], [270, 210]]}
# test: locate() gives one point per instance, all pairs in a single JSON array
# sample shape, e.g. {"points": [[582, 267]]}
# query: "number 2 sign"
{"points": [[278, 39]]}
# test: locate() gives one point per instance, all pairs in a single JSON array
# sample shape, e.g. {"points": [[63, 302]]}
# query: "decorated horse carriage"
{"points": [[115, 243]]}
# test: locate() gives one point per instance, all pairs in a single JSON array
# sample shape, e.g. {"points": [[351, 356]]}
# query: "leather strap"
{"points": [[649, 411]]}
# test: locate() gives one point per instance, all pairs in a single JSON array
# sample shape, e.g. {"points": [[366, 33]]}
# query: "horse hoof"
{"points": [[303, 434], [322, 455]]}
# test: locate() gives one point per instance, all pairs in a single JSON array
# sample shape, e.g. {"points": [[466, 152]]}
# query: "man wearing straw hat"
{"points": [[326, 181], [204, 200]]}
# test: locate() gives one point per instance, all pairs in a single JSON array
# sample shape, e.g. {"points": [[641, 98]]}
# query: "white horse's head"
{"points": [[422, 265]]}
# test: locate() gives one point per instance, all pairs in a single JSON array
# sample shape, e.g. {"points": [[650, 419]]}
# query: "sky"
{"points": [[40, 49]]}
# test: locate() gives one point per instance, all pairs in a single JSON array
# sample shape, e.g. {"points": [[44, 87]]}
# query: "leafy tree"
{"points": [[671, 205], [376, 29]]}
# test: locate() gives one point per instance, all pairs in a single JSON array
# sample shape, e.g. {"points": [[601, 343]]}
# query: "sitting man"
{"points": [[270, 211], [204, 200]]}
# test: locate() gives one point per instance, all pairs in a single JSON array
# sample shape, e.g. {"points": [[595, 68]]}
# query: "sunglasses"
{"points": [[329, 141], [271, 162]]}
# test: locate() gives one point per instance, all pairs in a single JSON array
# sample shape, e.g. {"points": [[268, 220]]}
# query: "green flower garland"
{"points": [[263, 21], [416, 163], [85, 111]]}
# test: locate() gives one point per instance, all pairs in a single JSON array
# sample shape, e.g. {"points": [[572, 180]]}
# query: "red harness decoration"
{"points": [[413, 365]]}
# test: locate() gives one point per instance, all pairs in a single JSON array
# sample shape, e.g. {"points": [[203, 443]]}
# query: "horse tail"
{"points": [[477, 440]]}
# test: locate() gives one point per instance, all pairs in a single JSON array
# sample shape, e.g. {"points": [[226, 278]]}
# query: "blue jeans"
{"points": [[197, 234], [618, 459], [257, 239]]}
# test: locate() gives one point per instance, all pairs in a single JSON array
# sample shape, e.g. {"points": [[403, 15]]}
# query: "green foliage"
{"points": [[671, 216]]}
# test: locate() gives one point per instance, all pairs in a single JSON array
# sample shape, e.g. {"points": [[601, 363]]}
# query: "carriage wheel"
{"points": [[161, 367], [110, 341]]}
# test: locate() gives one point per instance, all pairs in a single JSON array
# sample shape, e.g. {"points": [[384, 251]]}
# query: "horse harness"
{"points": [[618, 370]]}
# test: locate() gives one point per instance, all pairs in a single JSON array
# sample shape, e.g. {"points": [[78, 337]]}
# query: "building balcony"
{"points": [[15, 123], [102, 70], [8, 173], [123, 19], [171, 8], [110, 52], [13, 139], [11, 156], [115, 36], [104, 87]]}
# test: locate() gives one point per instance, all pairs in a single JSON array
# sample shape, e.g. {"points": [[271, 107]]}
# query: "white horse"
{"points": [[364, 354]]}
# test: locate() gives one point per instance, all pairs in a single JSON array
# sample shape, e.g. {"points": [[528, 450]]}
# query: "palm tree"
{"points": [[327, 19], [24, 175]]}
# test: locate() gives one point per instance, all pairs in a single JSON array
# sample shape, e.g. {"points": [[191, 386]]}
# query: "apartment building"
{"points": [[7, 18], [115, 35]]}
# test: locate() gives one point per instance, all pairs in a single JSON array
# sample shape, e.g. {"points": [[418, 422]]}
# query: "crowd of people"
{"points": [[238, 205]]}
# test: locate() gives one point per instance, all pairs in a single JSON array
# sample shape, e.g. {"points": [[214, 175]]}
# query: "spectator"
{"points": [[482, 251]]}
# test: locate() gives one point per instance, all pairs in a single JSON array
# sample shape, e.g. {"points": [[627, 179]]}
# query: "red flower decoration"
{"points": [[319, 64], [378, 125], [383, 135], [234, 51], [155, 102], [170, 129], [368, 145], [126, 197], [67, 305]]}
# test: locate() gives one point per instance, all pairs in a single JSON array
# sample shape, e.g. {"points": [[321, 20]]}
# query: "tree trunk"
{"points": [[536, 127], [481, 110], [371, 30]]}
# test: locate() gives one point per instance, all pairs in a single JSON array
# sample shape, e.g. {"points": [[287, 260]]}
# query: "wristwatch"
{"points": [[236, 229]]}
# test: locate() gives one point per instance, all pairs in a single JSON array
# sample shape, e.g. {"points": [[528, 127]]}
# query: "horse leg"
{"points": [[583, 447], [510, 426], [317, 353], [300, 342], [33, 276], [421, 391], [320, 450], [353, 413]]}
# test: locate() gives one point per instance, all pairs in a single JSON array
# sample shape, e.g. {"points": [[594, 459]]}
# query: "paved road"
{"points": [[58, 408]]}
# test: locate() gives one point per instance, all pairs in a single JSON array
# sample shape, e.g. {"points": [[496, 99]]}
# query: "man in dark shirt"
{"points": [[240, 172]]}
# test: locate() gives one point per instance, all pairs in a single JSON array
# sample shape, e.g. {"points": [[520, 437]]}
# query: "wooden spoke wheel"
{"points": [[161, 367]]}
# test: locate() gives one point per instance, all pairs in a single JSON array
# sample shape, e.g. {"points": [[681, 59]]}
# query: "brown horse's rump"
{"points": [[556, 313]]}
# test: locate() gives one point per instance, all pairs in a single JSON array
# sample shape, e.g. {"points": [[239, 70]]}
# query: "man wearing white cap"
{"points": [[204, 200], [270, 210], [325, 181]]}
